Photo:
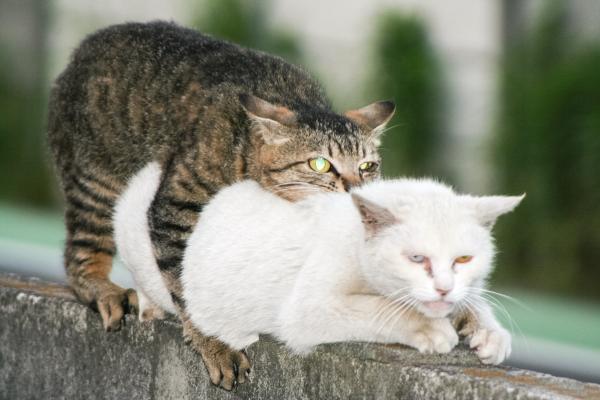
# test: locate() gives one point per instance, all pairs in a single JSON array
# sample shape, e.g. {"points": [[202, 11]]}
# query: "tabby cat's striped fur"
{"points": [[211, 113]]}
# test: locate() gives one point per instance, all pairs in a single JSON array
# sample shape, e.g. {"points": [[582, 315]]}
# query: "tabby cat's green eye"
{"points": [[319, 165], [367, 166]]}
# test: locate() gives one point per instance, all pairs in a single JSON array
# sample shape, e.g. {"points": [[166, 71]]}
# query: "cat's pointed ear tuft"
{"points": [[488, 208], [374, 116], [267, 118], [256, 107], [373, 216]]}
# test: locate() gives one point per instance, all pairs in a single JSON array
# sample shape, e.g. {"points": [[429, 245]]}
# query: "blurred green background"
{"points": [[510, 104]]}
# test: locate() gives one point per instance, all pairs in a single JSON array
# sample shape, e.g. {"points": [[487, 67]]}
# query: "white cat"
{"points": [[389, 263]]}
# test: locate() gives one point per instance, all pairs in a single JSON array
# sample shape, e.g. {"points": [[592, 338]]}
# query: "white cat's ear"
{"points": [[373, 117], [488, 208], [268, 118], [374, 217]]}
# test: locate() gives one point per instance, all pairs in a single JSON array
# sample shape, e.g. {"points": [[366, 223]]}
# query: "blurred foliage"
{"points": [[24, 172], [246, 23], [405, 70], [548, 145]]}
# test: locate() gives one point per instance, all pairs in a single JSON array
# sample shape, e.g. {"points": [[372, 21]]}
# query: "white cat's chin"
{"points": [[436, 309]]}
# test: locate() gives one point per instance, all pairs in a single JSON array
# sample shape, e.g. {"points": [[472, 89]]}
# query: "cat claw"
{"points": [[226, 367], [114, 305], [492, 345]]}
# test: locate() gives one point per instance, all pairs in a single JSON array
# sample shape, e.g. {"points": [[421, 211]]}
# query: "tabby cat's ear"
{"points": [[374, 217], [268, 118], [373, 117], [488, 208]]}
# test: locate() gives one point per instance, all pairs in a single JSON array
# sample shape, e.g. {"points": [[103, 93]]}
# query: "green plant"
{"points": [[24, 174], [405, 69], [548, 145]]}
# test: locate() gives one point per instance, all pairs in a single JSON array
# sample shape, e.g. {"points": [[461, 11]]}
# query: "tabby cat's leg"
{"points": [[171, 217], [225, 366], [89, 248]]}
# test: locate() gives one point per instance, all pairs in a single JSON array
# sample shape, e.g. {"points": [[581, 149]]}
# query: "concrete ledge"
{"points": [[53, 347]]}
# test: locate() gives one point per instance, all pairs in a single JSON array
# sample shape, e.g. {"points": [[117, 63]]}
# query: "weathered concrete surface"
{"points": [[53, 347]]}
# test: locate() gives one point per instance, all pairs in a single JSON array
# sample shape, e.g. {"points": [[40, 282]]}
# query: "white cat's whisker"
{"points": [[468, 303], [495, 303], [395, 306], [486, 296], [393, 302], [505, 296], [395, 315], [408, 306]]}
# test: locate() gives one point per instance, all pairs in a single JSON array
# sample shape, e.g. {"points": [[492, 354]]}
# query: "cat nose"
{"points": [[349, 182], [442, 292]]}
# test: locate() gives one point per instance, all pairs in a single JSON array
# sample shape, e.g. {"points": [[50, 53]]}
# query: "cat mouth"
{"points": [[438, 305]]}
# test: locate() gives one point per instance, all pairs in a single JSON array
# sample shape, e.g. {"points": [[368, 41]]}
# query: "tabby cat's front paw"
{"points": [[492, 345], [436, 336]]}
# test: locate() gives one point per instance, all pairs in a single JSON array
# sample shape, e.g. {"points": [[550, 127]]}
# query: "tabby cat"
{"points": [[210, 113]]}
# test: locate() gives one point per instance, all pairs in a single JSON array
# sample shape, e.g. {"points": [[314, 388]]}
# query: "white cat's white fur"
{"points": [[320, 271]]}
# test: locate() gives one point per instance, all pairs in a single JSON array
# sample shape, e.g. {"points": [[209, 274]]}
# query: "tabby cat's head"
{"points": [[304, 151]]}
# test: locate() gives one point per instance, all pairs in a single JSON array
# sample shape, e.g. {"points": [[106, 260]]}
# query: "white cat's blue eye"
{"points": [[417, 259]]}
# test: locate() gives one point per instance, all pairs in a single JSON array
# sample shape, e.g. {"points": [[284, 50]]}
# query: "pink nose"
{"points": [[442, 292]]}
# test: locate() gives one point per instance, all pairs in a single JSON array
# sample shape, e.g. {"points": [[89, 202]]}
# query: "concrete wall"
{"points": [[53, 347]]}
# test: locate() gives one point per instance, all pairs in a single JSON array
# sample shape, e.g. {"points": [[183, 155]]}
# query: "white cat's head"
{"points": [[425, 245]]}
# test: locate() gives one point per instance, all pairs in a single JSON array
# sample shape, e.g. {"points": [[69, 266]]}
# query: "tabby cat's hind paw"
{"points": [[113, 302], [226, 367]]}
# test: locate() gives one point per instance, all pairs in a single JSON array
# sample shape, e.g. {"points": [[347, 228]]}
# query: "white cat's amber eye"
{"points": [[320, 165], [367, 166], [463, 259], [417, 259]]}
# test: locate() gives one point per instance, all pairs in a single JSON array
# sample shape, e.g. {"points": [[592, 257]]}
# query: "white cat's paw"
{"points": [[148, 311], [492, 345], [436, 336], [151, 313]]}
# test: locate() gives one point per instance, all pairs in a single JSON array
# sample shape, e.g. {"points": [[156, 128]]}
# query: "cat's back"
{"points": [[175, 55], [149, 84]]}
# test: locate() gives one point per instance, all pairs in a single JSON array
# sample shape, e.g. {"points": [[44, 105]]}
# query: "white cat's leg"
{"points": [[148, 310], [485, 334], [366, 318]]}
